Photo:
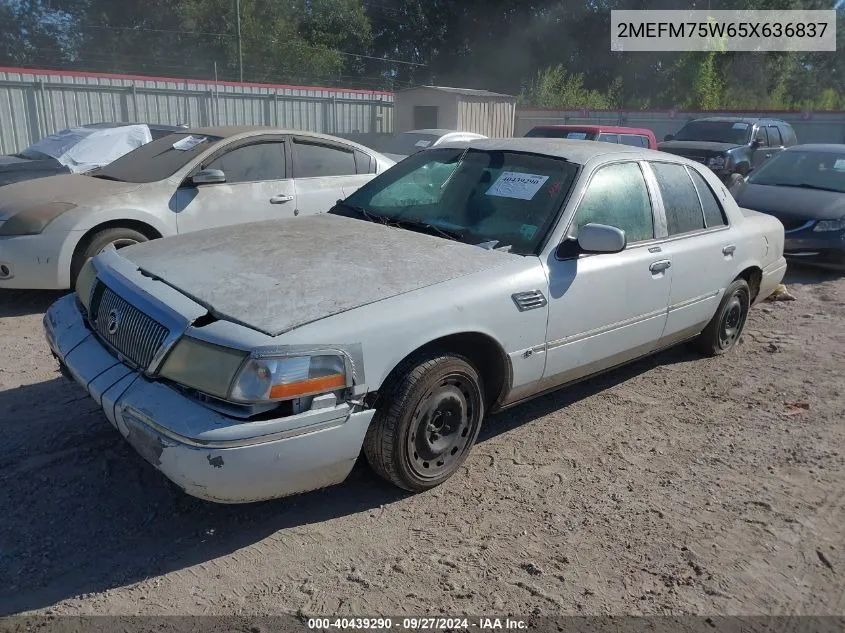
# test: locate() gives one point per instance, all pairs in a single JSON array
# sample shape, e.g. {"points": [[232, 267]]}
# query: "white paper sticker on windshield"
{"points": [[189, 142], [839, 165], [740, 126], [422, 143], [576, 136], [513, 184]]}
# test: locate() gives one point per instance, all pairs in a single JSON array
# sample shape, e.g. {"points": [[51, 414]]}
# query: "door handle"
{"points": [[280, 199], [729, 250], [661, 266]]}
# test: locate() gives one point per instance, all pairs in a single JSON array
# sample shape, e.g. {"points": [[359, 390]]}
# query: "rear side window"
{"points": [[617, 196], [634, 139], [608, 138], [714, 215], [311, 160], [788, 135], [680, 198], [250, 163], [775, 139], [364, 163]]}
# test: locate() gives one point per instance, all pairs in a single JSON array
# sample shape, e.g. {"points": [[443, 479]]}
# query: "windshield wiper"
{"points": [[449, 234], [807, 185], [103, 177], [371, 217]]}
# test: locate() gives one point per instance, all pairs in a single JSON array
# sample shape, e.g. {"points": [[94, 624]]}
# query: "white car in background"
{"points": [[183, 182], [403, 145]]}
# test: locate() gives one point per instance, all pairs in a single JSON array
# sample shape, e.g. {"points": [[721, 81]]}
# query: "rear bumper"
{"points": [[313, 450], [772, 276]]}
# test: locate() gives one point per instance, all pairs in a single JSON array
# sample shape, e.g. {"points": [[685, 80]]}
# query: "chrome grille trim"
{"points": [[137, 337], [530, 300]]}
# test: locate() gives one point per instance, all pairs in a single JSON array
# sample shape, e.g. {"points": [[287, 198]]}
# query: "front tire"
{"points": [[428, 422], [723, 332], [96, 243]]}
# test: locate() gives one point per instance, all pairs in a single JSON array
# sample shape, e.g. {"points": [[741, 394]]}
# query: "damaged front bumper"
{"points": [[212, 456]]}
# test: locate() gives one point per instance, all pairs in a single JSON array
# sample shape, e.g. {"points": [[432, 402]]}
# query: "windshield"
{"points": [[57, 144], [572, 135], [715, 132], [409, 143], [157, 160], [814, 170], [498, 199]]}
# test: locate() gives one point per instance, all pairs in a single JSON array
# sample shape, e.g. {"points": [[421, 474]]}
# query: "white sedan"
{"points": [[191, 180]]}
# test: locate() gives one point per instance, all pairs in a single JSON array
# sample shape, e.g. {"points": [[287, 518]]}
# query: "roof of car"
{"points": [[441, 132], [817, 147], [737, 119], [574, 151], [109, 125], [615, 129]]}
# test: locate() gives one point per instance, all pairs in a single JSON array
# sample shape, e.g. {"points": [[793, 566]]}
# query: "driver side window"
{"points": [[617, 196], [252, 163]]}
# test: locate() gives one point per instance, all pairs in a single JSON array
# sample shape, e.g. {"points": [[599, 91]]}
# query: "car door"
{"points": [[257, 187], [699, 244], [776, 143], [605, 309], [761, 153], [324, 172]]}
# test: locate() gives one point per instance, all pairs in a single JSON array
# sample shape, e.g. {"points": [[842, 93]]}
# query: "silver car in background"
{"points": [[183, 182], [402, 145], [257, 362]]}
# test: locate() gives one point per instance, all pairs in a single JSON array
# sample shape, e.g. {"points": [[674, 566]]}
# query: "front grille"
{"points": [[125, 328]]}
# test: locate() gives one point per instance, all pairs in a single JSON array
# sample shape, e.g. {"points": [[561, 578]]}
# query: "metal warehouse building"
{"points": [[478, 111]]}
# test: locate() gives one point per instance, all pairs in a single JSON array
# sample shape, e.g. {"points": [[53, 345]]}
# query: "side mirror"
{"points": [[601, 238], [208, 177], [669, 137]]}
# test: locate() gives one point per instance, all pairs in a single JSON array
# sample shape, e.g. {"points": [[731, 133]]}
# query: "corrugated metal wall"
{"points": [[491, 117], [810, 127], [34, 103]]}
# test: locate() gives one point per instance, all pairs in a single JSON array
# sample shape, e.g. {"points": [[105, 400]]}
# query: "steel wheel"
{"points": [[733, 320], [427, 421], [444, 422]]}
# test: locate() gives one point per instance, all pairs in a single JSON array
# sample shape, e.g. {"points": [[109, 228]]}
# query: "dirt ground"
{"points": [[674, 485]]}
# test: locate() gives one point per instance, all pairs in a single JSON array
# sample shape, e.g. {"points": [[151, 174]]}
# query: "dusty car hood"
{"points": [[275, 276], [677, 147], [14, 169], [72, 188], [792, 202]]}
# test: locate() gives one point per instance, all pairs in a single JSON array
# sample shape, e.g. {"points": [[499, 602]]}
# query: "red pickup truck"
{"points": [[638, 137]]}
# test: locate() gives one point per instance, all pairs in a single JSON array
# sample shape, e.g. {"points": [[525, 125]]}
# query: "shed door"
{"points": [[425, 117]]}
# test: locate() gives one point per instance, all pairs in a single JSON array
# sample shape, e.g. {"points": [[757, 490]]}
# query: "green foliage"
{"points": [[553, 53], [553, 87]]}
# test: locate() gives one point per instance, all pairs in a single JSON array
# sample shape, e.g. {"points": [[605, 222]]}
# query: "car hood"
{"points": [[679, 147], [278, 275], [14, 169], [792, 202], [74, 189]]}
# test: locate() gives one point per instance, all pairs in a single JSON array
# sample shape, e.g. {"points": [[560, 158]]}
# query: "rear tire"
{"points": [[722, 333], [96, 243], [428, 422]]}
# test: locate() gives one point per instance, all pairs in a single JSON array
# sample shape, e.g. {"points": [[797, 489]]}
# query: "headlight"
{"points": [[85, 282], [203, 366], [33, 221], [286, 378], [717, 162], [830, 225]]}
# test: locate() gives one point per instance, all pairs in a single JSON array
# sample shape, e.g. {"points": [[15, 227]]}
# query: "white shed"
{"points": [[461, 109]]}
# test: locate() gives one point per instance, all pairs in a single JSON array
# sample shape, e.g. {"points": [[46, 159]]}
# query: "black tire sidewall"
{"points": [[96, 243], [738, 286], [415, 392]]}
